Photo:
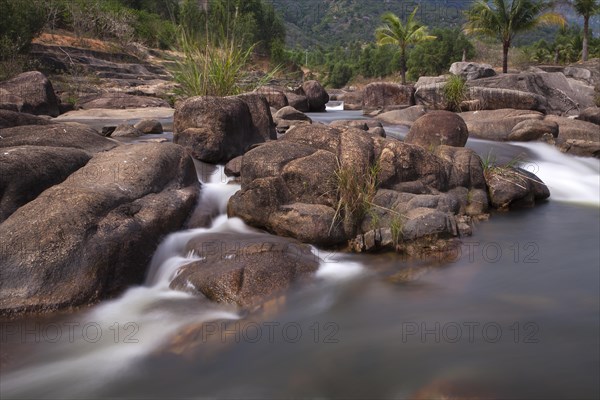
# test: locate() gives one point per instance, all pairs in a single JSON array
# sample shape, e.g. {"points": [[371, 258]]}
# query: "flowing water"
{"points": [[515, 315]]}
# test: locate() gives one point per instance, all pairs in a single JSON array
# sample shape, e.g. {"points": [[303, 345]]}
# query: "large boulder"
{"points": [[591, 114], [514, 187], [320, 184], [471, 71], [316, 95], [244, 270], [8, 119], [126, 130], [120, 101], [533, 129], [579, 138], [91, 236], [215, 129], [298, 101], [430, 94], [71, 135], [29, 92], [549, 92], [402, 117], [261, 114], [274, 95], [380, 95], [496, 125], [353, 100], [491, 98], [26, 171], [438, 128], [149, 126]]}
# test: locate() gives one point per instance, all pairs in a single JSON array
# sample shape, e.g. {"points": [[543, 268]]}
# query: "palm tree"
{"points": [[504, 19], [402, 35], [586, 8]]}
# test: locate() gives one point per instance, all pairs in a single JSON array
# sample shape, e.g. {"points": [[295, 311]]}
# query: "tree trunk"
{"points": [[464, 57], [505, 47], [403, 66], [556, 55], [586, 35]]}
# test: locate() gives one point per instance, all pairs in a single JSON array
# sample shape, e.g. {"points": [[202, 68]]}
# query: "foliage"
{"points": [[503, 19], [355, 193], [21, 21], [455, 92], [394, 32], [434, 57], [339, 75]]}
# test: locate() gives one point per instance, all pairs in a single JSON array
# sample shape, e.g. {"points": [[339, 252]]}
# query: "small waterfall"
{"points": [[570, 179]]}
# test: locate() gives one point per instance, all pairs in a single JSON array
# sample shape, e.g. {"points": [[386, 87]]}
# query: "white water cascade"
{"points": [[111, 337], [570, 179]]}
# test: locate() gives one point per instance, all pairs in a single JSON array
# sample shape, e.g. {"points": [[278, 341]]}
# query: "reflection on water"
{"points": [[514, 315]]}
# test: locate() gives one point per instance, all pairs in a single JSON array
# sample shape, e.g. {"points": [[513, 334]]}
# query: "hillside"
{"points": [[329, 23], [335, 22]]}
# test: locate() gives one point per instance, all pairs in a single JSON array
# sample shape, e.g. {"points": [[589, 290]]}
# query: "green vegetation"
{"points": [[455, 92], [434, 57], [503, 19], [355, 193], [394, 32], [21, 21]]}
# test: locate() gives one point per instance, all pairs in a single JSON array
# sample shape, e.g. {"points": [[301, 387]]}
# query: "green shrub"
{"points": [[21, 21], [455, 92]]}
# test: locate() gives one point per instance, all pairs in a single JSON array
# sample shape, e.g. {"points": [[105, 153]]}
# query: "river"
{"points": [[514, 315]]}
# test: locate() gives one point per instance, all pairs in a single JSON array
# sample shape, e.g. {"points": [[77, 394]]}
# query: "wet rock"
{"points": [[509, 187], [215, 129], [471, 71], [438, 128], [29, 92], [149, 126], [534, 129], [234, 167], [93, 235], [246, 270]]}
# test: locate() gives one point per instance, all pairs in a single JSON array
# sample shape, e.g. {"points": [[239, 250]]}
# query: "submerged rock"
{"points": [[243, 269]]}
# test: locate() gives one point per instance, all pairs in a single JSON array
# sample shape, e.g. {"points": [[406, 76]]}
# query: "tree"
{"points": [[586, 8], [504, 19], [435, 57], [402, 35]]}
